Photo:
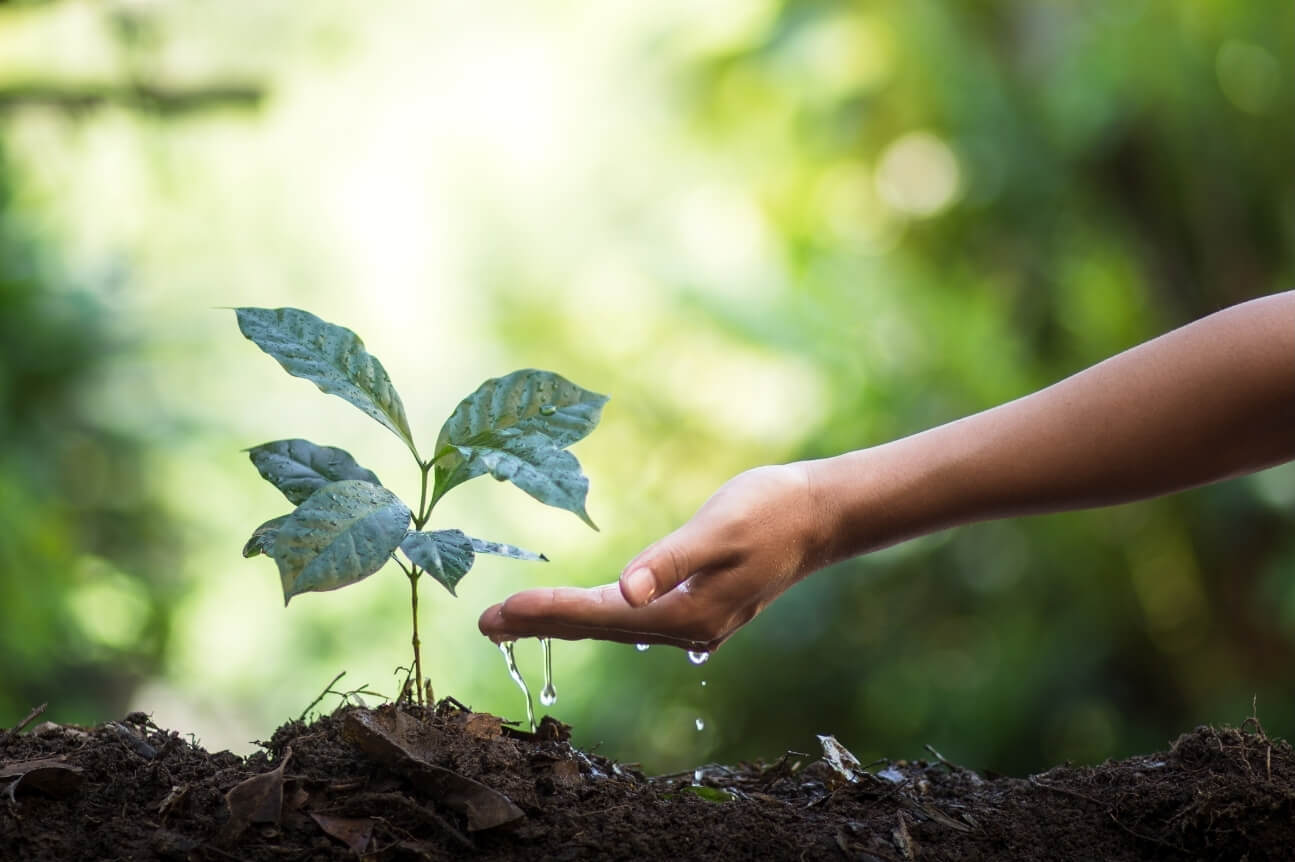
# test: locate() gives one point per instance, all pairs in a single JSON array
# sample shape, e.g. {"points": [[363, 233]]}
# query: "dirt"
{"points": [[406, 782]]}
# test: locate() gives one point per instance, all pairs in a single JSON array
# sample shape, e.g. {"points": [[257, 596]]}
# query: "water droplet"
{"points": [[641, 647], [548, 694], [506, 647], [698, 657], [701, 725], [548, 410]]}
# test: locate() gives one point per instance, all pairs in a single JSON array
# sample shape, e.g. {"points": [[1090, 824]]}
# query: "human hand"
{"points": [[759, 534]]}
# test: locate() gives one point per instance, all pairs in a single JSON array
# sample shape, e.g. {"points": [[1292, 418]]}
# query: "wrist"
{"points": [[872, 498]]}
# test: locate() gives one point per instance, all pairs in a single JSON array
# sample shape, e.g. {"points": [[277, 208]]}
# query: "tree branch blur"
{"points": [[169, 101]]}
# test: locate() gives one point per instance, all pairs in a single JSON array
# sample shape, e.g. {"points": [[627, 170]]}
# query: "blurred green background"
{"points": [[769, 230]]}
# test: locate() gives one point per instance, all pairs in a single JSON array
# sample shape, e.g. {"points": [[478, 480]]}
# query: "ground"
{"points": [[406, 782]]}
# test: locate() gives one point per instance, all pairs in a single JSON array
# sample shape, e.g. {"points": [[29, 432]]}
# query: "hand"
{"points": [[757, 535]]}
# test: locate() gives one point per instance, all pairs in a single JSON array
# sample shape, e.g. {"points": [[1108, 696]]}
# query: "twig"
{"points": [[138, 97], [407, 806], [953, 767], [322, 694], [1068, 792], [1143, 836], [1253, 719], [31, 716]]}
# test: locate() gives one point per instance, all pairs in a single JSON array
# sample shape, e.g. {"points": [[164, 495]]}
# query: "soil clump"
{"points": [[409, 783]]}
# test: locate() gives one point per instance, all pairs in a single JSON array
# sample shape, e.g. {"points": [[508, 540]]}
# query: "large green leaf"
{"points": [[445, 554], [515, 428], [341, 534], [330, 356], [262, 541], [481, 546], [532, 463], [298, 467]]}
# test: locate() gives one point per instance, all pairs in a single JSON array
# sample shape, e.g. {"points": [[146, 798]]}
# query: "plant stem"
{"points": [[413, 610], [420, 519]]}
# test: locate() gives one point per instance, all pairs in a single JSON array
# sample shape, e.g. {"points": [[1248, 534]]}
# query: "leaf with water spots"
{"points": [[341, 534], [330, 356], [299, 468], [516, 428], [446, 555], [262, 541], [532, 463], [500, 549]]}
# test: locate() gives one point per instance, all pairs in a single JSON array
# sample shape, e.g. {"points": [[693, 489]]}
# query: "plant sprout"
{"points": [[347, 525]]}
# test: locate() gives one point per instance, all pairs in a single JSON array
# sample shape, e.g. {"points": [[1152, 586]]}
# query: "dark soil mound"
{"points": [[408, 783]]}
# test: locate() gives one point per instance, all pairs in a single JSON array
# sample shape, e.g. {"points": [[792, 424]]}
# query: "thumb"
{"points": [[667, 563]]}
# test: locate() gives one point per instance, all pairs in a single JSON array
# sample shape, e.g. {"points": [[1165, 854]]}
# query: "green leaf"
{"points": [[262, 541], [298, 467], [710, 794], [532, 463], [341, 534], [332, 357], [447, 555], [515, 428], [481, 546]]}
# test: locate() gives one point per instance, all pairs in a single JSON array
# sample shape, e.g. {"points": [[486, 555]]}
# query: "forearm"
{"points": [[1205, 402]]}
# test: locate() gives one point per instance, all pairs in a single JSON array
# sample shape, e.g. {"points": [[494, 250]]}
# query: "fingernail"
{"points": [[642, 586]]}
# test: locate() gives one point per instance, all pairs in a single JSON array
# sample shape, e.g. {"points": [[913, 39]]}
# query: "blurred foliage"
{"points": [[847, 223], [1117, 170], [83, 564]]}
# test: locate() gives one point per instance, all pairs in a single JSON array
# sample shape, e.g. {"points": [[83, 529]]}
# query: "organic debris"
{"points": [[412, 783]]}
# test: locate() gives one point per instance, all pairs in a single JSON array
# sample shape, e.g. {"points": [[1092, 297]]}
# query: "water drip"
{"points": [[506, 647], [548, 694]]}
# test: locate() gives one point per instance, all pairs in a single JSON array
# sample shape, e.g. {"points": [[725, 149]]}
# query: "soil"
{"points": [[408, 783]]}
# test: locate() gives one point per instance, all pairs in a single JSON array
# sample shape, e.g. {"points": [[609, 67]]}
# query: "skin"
{"points": [[1212, 400]]}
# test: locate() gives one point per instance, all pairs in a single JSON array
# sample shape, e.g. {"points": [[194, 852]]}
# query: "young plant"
{"points": [[346, 525]]}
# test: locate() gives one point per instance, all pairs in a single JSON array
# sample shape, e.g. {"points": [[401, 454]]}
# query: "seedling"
{"points": [[347, 525]]}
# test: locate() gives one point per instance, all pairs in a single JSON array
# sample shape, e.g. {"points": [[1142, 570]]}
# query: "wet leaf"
{"points": [[299, 468], [481, 546], [446, 555], [528, 400], [258, 799], [343, 533], [710, 794], [515, 428], [262, 541], [483, 807], [48, 775], [330, 356], [840, 758], [354, 832], [531, 462]]}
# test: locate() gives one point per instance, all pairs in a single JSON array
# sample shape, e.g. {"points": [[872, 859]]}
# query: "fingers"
{"points": [[667, 563], [572, 614]]}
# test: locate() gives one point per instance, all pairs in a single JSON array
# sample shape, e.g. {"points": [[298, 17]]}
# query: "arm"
{"points": [[1209, 401]]}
